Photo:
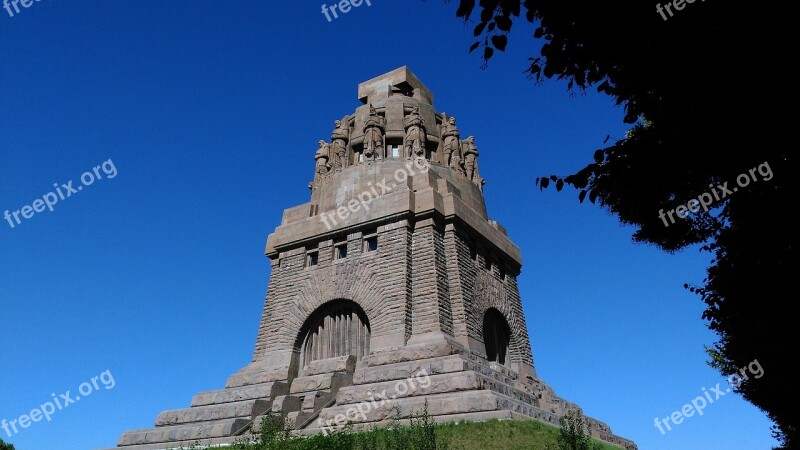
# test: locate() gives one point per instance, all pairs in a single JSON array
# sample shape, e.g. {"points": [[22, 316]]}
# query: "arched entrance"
{"points": [[496, 337], [337, 328]]}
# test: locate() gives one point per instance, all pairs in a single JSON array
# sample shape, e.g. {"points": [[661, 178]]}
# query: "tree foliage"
{"points": [[708, 93], [572, 435]]}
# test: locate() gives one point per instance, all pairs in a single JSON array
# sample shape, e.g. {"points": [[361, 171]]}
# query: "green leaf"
{"points": [[544, 183], [500, 41], [503, 23]]}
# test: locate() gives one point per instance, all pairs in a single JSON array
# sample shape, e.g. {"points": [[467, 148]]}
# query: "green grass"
{"points": [[503, 434], [493, 434]]}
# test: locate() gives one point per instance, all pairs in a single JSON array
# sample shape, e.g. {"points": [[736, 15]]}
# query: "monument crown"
{"points": [[398, 80], [397, 122]]}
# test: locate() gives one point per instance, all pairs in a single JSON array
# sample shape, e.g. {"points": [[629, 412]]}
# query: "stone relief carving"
{"points": [[452, 144], [374, 130], [339, 140], [471, 161], [415, 138], [322, 157], [459, 155]]}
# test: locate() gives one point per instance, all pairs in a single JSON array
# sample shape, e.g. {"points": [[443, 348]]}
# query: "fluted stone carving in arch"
{"points": [[337, 328]]}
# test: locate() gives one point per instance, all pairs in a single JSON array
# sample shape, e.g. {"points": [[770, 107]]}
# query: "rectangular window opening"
{"points": [[370, 241], [312, 259], [340, 249]]}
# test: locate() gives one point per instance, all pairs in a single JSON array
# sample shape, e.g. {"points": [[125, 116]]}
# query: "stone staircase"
{"points": [[328, 394], [318, 386], [457, 387], [453, 385], [223, 416], [214, 417]]}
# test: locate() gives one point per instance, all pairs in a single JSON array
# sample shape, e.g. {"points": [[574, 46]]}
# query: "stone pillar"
{"points": [[432, 317]]}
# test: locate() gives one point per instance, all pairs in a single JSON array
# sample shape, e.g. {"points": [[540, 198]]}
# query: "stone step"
{"points": [[221, 443], [314, 401], [439, 365], [172, 434], [251, 392], [255, 373], [243, 410], [432, 384], [461, 402], [284, 404], [482, 416], [411, 387], [323, 382], [297, 418], [407, 369], [329, 365]]}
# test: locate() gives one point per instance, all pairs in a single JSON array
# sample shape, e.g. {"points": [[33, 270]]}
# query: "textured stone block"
{"points": [[206, 413], [251, 392], [337, 364]]}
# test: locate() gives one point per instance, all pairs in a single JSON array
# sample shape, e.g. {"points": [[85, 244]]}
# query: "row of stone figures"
{"points": [[460, 155]]}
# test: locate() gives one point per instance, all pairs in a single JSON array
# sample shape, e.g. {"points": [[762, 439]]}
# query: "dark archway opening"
{"points": [[337, 328], [496, 337]]}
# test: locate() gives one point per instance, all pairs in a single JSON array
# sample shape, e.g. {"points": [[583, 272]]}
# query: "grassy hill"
{"points": [[505, 434], [424, 434]]}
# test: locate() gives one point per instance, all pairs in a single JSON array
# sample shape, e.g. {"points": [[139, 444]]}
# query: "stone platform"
{"points": [[330, 393]]}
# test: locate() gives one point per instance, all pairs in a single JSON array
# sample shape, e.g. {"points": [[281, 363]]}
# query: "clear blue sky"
{"points": [[210, 112]]}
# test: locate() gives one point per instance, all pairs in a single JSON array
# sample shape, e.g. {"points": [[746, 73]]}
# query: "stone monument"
{"points": [[391, 270]]}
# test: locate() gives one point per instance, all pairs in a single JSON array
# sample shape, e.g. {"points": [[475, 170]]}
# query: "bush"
{"points": [[572, 435]]}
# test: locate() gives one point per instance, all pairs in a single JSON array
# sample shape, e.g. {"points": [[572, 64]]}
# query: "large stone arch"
{"points": [[497, 337], [336, 328], [374, 292], [492, 294]]}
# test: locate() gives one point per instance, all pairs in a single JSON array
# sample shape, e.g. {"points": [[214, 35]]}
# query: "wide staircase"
{"points": [[332, 393], [227, 415]]}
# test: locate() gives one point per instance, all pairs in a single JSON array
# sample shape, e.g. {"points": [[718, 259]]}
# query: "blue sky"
{"points": [[210, 113]]}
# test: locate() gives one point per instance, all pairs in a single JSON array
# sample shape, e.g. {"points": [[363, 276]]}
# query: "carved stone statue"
{"points": [[415, 134], [339, 138], [452, 145], [470, 158], [374, 128], [322, 157]]}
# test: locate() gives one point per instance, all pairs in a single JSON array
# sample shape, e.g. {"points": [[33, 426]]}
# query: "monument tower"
{"points": [[392, 269]]}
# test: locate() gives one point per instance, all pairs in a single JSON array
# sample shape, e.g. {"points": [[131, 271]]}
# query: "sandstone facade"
{"points": [[391, 280]]}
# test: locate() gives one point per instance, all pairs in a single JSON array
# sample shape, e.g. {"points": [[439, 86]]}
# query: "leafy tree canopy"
{"points": [[708, 93]]}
